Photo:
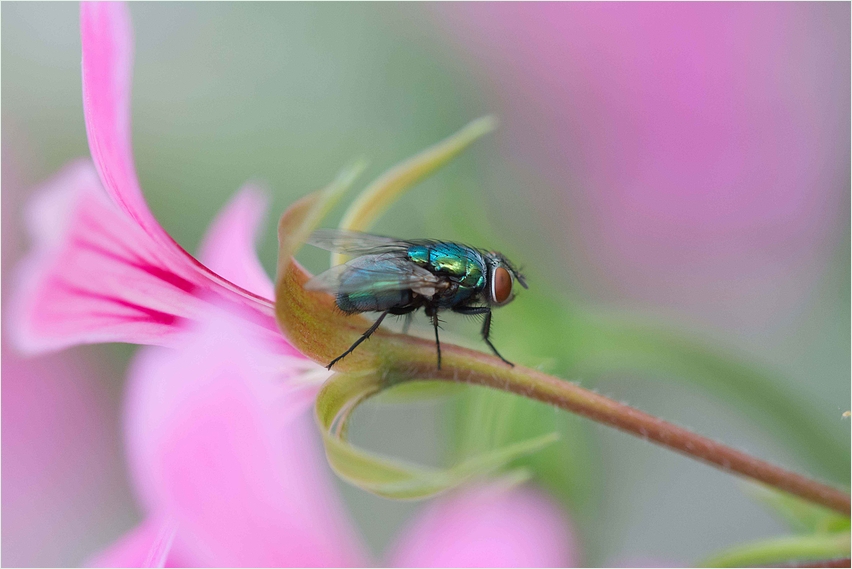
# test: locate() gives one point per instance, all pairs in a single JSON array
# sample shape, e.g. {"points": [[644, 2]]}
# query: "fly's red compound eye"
{"points": [[501, 285]]}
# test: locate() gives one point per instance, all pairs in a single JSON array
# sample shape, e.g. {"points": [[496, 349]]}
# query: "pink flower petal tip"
{"points": [[489, 526]]}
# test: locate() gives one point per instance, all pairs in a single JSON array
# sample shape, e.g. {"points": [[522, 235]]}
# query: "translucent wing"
{"points": [[355, 243], [376, 273]]}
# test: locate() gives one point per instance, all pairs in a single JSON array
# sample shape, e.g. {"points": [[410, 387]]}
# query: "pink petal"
{"points": [[488, 527], [103, 273], [162, 545], [95, 276], [107, 41], [228, 248], [220, 434], [148, 545]]}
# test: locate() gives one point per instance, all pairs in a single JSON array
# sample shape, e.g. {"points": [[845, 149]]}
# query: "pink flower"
{"points": [[218, 433]]}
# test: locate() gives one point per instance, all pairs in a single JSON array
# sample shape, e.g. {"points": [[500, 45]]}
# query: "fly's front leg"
{"points": [[486, 332], [486, 326], [363, 337], [406, 324]]}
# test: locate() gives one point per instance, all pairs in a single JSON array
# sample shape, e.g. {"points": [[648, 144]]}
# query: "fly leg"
{"points": [[406, 324], [363, 337], [433, 314], [437, 341], [486, 332], [486, 326]]}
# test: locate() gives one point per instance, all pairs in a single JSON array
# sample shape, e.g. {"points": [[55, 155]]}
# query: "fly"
{"points": [[397, 277]]}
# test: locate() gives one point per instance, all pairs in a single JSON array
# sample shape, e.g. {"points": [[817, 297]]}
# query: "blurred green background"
{"points": [[285, 94]]}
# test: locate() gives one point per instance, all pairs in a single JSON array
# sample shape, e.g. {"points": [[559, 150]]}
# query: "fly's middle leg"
{"points": [[437, 340], [432, 313]]}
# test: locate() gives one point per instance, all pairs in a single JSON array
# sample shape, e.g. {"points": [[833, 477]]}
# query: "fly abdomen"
{"points": [[372, 301], [374, 286]]}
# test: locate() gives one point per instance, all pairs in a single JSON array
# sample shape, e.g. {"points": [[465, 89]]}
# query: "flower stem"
{"points": [[467, 366]]}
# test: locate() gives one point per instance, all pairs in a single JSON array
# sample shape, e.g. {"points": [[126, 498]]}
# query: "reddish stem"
{"points": [[462, 365]]}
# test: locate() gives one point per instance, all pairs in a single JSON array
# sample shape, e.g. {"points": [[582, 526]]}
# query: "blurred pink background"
{"points": [[696, 151], [64, 477]]}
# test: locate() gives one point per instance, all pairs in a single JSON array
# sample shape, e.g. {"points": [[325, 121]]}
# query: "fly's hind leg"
{"points": [[437, 340], [363, 337]]}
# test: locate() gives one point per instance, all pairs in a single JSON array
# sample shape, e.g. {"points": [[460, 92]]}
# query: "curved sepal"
{"points": [[388, 187], [783, 550], [309, 319], [802, 516], [385, 476]]}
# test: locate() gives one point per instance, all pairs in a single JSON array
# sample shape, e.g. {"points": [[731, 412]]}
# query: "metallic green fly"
{"points": [[397, 277]]}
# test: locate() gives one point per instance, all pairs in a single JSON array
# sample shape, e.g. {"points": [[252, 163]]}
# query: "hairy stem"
{"points": [[467, 366]]}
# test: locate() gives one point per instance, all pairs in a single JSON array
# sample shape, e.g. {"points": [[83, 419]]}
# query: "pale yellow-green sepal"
{"points": [[802, 516], [795, 548], [387, 188], [385, 476], [301, 218], [309, 319]]}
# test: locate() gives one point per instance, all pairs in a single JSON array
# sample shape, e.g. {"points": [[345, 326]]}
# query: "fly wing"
{"points": [[355, 243], [376, 273]]}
